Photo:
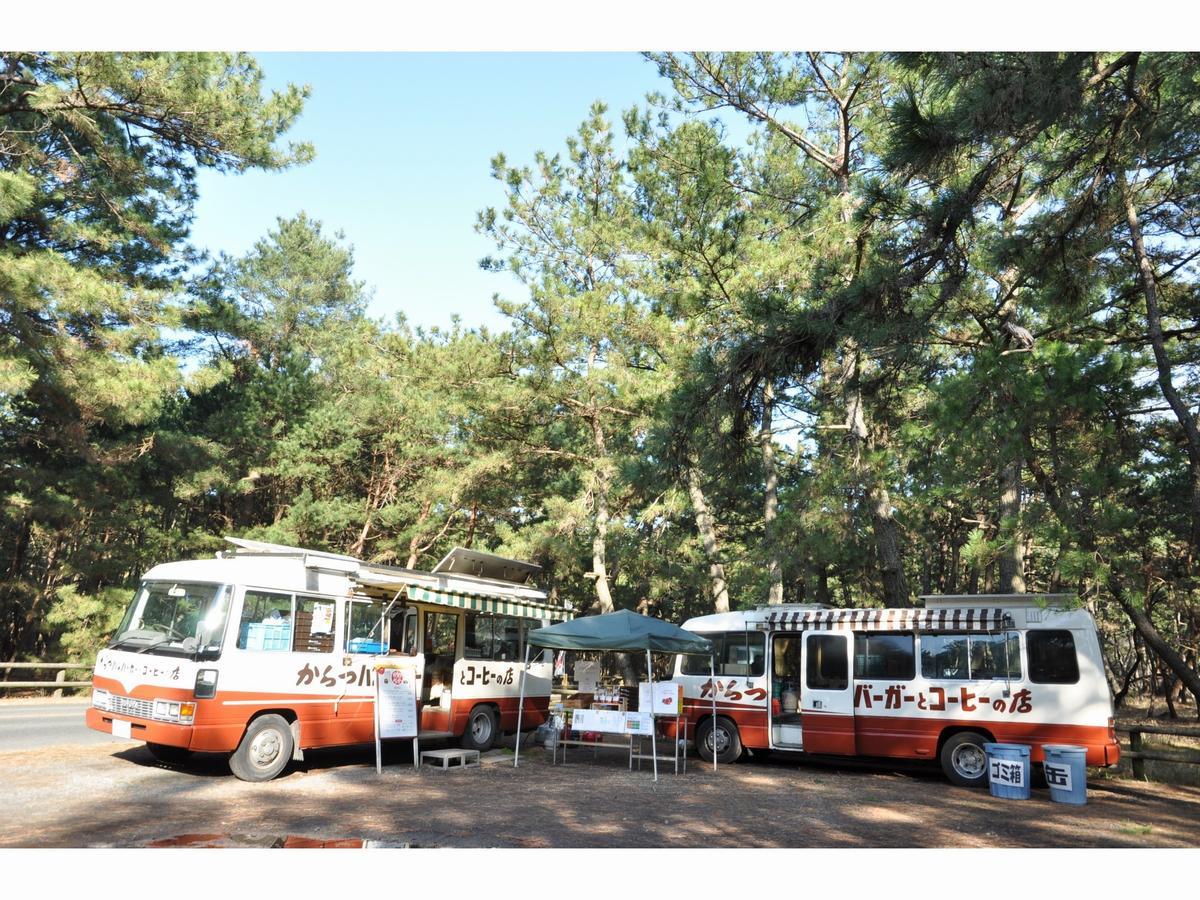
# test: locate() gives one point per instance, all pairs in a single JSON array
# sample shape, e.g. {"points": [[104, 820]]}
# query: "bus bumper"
{"points": [[141, 729]]}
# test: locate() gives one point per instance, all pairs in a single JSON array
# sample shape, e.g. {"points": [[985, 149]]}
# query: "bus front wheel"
{"points": [[724, 737], [264, 751]]}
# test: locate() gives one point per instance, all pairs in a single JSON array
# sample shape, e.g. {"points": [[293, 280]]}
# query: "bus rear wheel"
{"points": [[724, 737], [964, 760], [264, 751], [481, 729]]}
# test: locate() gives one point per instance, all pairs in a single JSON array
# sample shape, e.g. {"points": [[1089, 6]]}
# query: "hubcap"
{"points": [[720, 737], [265, 747], [481, 728], [969, 760]]}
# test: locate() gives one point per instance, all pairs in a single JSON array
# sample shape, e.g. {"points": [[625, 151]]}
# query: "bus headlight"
{"points": [[206, 684]]}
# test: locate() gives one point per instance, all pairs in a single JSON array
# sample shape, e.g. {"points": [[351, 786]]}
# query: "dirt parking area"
{"points": [[118, 796]]}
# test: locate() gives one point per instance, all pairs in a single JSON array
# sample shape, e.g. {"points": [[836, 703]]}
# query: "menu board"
{"points": [[397, 685]]}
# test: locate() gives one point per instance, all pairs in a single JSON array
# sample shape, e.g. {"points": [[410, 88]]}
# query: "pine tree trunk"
{"points": [[1012, 562], [1184, 416], [600, 485], [708, 538], [887, 542], [770, 498]]}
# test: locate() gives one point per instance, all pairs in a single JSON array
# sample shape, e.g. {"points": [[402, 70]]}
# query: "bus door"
{"points": [[440, 645], [786, 674], [827, 698]]}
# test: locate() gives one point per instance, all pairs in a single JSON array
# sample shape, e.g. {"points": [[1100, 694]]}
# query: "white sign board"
{"points": [[587, 675], [397, 686], [668, 698], [606, 720], [1058, 776], [1007, 772]]}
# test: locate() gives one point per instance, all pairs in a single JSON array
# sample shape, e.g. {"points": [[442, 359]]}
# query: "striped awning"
{"points": [[966, 619], [489, 603]]}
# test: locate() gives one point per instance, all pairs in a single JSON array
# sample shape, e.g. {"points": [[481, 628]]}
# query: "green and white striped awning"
{"points": [[489, 603]]}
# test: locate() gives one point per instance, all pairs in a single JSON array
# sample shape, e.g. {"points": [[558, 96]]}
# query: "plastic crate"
{"points": [[269, 636], [362, 645]]}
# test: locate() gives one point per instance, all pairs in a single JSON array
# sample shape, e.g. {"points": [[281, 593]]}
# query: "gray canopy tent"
{"points": [[621, 630]]}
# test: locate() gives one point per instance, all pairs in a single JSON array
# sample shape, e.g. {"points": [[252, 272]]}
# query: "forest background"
{"points": [[919, 323]]}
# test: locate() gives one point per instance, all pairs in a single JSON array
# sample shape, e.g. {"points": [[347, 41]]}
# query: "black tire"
{"points": [[165, 753], [265, 750], [482, 729], [963, 759], [728, 741]]}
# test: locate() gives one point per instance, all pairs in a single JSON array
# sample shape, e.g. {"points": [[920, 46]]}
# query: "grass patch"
{"points": [[1134, 828]]}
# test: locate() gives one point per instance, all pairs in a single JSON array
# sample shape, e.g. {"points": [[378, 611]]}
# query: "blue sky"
{"points": [[403, 145]]}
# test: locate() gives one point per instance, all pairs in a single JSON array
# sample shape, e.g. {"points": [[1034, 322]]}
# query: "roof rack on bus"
{"points": [[795, 606], [940, 601]]}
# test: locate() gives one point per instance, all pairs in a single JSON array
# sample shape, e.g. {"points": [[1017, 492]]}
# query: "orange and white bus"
{"points": [[267, 651], [933, 683]]}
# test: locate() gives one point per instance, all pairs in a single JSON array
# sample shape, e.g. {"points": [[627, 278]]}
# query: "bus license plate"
{"points": [[121, 728]]}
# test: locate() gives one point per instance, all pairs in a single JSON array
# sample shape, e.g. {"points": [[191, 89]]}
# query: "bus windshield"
{"points": [[175, 618]]}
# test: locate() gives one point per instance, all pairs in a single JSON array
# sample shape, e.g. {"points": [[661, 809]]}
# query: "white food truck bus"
{"points": [[932, 683], [267, 651]]}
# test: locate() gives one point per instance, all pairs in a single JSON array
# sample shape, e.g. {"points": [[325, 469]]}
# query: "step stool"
{"points": [[466, 758]]}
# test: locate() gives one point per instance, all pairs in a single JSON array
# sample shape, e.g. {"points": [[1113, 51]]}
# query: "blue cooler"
{"points": [[1008, 770], [1066, 773]]}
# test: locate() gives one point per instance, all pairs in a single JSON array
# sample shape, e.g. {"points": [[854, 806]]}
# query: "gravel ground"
{"points": [[118, 796]]}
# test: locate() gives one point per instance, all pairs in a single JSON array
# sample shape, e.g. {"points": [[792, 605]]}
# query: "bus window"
{"points": [[996, 655], [402, 631], [827, 667], [266, 622], [738, 653], [1052, 657], [364, 629], [314, 628], [885, 656], [974, 657]]}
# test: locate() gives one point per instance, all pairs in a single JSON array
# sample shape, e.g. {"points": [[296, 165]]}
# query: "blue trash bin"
{"points": [[1066, 773], [1008, 770]]}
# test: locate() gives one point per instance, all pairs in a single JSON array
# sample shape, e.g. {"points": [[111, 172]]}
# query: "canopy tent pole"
{"points": [[653, 728], [521, 708], [712, 680]]}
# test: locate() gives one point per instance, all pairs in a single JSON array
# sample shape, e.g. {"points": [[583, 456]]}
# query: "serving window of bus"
{"points": [[364, 626], [278, 621]]}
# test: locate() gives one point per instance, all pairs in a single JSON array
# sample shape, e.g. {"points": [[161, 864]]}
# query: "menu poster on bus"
{"points": [[397, 685], [322, 618]]}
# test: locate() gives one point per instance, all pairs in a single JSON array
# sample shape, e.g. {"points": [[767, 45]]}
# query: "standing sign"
{"points": [[668, 698], [397, 687]]}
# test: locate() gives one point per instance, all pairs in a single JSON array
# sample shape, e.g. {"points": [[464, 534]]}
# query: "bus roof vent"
{"points": [[461, 561]]}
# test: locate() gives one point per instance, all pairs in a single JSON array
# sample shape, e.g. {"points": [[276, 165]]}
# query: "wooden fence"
{"points": [[59, 682], [1138, 756]]}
